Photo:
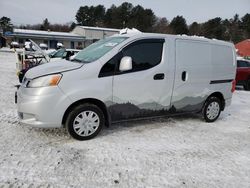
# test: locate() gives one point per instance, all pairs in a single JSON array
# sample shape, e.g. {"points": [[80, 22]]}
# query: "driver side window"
{"points": [[145, 54]]}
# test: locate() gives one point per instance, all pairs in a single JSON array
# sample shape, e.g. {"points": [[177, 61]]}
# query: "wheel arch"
{"points": [[96, 102], [220, 96]]}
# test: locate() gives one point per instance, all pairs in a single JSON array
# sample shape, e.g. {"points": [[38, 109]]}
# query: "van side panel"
{"points": [[193, 75], [223, 69], [223, 64]]}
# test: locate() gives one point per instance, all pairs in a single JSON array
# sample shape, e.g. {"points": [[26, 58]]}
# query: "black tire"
{"points": [[78, 110], [247, 85], [206, 108]]}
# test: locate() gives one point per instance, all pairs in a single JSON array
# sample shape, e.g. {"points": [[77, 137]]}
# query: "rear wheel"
{"points": [[212, 109], [85, 121], [247, 85]]}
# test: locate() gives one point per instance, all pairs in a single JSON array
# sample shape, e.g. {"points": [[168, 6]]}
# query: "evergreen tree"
{"points": [[161, 26], [45, 25], [91, 16], [72, 25], [246, 25], [214, 29], [124, 14], [98, 14], [118, 17], [233, 31], [109, 20], [142, 19], [84, 16], [195, 29], [179, 25], [5, 24]]}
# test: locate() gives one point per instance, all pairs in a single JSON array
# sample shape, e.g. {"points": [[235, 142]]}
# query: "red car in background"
{"points": [[243, 73]]}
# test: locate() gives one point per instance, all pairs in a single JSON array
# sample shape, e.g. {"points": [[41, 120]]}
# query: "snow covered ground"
{"points": [[172, 152]]}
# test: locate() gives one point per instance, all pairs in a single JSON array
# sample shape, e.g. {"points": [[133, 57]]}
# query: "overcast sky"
{"points": [[62, 11]]}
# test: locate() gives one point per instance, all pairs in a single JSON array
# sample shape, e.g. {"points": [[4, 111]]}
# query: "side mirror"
{"points": [[125, 64]]}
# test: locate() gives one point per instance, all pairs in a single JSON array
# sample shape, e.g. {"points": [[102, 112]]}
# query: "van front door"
{"points": [[146, 89]]}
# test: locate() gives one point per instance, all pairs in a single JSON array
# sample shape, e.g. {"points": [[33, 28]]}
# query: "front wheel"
{"points": [[212, 109], [85, 121]]}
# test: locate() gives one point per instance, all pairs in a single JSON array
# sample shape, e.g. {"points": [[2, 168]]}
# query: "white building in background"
{"points": [[51, 38], [94, 33], [80, 37]]}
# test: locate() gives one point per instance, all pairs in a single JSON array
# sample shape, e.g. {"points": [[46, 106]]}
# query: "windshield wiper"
{"points": [[79, 61]]}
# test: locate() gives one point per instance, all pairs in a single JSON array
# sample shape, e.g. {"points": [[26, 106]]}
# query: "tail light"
{"points": [[233, 86]]}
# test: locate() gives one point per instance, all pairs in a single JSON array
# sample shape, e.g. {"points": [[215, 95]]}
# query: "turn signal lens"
{"points": [[54, 80]]}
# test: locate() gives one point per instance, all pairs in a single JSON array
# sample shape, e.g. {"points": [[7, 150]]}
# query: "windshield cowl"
{"points": [[79, 61]]}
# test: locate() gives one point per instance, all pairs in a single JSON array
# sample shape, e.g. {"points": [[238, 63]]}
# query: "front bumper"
{"points": [[41, 107]]}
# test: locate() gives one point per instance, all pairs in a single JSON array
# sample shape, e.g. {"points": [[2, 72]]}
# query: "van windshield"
{"points": [[98, 49]]}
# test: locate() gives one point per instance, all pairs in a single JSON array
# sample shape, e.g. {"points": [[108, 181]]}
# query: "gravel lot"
{"points": [[172, 152]]}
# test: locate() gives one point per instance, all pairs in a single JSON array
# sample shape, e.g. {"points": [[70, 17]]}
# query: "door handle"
{"points": [[184, 76], [159, 76]]}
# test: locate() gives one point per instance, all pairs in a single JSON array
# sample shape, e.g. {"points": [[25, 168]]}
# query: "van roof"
{"points": [[197, 38]]}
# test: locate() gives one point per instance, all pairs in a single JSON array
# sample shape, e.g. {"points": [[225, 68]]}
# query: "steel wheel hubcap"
{"points": [[86, 123], [213, 110]]}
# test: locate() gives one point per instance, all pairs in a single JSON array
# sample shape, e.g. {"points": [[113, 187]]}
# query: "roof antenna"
{"points": [[127, 31], [124, 31]]}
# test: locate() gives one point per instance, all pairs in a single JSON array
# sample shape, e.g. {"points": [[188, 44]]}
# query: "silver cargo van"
{"points": [[129, 76]]}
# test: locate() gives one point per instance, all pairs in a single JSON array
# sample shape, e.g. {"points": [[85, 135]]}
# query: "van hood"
{"points": [[52, 67]]}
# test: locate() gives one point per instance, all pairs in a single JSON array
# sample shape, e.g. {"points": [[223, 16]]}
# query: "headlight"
{"points": [[44, 81]]}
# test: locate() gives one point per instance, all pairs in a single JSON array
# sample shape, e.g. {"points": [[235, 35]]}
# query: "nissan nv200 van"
{"points": [[129, 76]]}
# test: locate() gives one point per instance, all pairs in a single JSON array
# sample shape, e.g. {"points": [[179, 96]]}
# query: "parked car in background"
{"points": [[59, 45], [35, 55], [63, 53], [32, 55], [28, 46], [43, 46], [129, 76], [243, 73], [14, 44]]}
